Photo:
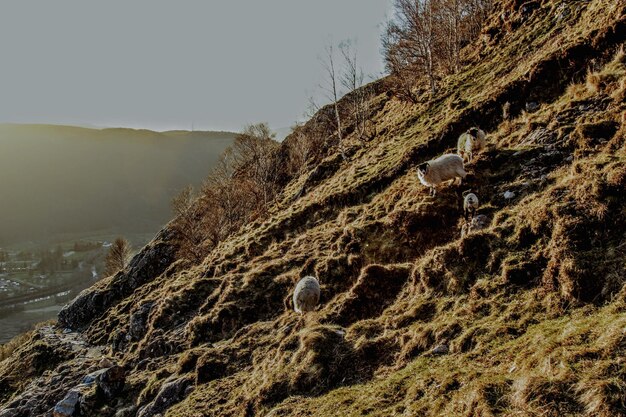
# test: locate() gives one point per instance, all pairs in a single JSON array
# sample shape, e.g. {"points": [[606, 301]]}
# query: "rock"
{"points": [[508, 195], [95, 389], [126, 412], [111, 381], [442, 349], [170, 393], [106, 363], [540, 135], [69, 405], [562, 12], [139, 320], [90, 401], [532, 106]]}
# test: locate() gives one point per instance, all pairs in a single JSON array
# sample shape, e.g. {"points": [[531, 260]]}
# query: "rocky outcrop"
{"points": [[170, 393], [70, 375], [139, 321], [148, 264], [97, 389]]}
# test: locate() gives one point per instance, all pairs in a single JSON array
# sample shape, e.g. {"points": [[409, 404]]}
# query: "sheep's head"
{"points": [[423, 168], [473, 131]]}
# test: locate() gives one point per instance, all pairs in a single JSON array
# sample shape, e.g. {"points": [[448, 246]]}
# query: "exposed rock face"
{"points": [[70, 405], [152, 261], [110, 381], [170, 393], [139, 320], [97, 389]]}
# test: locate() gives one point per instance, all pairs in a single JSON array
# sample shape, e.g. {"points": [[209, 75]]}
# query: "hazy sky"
{"points": [[163, 64]]}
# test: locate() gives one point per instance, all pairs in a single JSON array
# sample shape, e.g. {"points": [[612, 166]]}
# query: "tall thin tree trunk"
{"points": [[431, 69]]}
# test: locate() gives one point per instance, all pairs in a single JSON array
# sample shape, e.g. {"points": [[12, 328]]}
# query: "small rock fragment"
{"points": [[532, 106], [106, 363], [441, 349]]}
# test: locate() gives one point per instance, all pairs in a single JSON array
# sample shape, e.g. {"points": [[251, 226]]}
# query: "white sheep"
{"points": [[470, 204], [446, 167], [306, 295], [470, 142]]}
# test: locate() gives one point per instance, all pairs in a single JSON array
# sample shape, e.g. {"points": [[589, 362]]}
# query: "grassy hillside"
{"points": [[524, 318], [62, 179]]}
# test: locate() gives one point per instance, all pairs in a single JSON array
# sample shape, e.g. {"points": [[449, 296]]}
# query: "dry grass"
{"points": [[532, 308], [7, 349]]}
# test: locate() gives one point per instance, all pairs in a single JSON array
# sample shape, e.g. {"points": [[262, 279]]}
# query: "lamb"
{"points": [[306, 295], [446, 167], [470, 142], [470, 204]]}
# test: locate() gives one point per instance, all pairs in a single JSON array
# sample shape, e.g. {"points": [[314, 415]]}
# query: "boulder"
{"points": [[109, 381], [139, 320], [170, 393], [70, 404]]}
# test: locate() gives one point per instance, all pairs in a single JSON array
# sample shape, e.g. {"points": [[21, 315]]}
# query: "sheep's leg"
{"points": [[433, 191]]}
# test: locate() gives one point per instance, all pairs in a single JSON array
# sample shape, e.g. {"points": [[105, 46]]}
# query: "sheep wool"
{"points": [[470, 205], [306, 295], [446, 167], [471, 142]]}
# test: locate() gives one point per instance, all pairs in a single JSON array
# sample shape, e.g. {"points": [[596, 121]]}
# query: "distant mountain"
{"points": [[64, 179]]}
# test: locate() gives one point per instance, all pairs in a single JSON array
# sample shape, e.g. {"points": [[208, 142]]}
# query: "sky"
{"points": [[161, 65]]}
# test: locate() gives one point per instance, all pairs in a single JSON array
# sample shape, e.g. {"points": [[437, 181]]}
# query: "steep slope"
{"points": [[526, 317]]}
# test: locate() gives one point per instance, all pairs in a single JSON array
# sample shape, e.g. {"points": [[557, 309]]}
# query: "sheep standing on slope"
{"points": [[470, 142], [306, 295], [446, 167], [470, 205]]}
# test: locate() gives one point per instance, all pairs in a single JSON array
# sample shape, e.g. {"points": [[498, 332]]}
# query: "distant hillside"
{"points": [[62, 179]]}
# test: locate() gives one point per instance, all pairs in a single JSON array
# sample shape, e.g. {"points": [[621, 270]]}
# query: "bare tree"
{"points": [[426, 37], [331, 89], [117, 257], [300, 152], [230, 197], [254, 153], [409, 39], [358, 95], [188, 224], [449, 23]]}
